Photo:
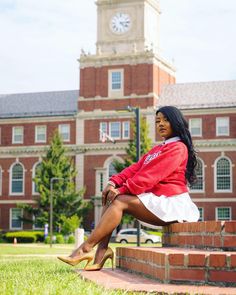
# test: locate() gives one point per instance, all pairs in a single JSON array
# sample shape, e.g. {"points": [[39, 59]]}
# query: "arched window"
{"points": [[17, 179], [223, 175], [111, 170], [37, 166], [199, 185]]}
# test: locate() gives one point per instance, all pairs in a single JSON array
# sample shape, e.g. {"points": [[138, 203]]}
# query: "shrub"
{"points": [[60, 239], [70, 224], [22, 237], [71, 240]]}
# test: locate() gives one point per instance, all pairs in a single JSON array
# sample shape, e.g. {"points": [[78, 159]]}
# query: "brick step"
{"points": [[176, 265], [120, 280], [203, 235]]}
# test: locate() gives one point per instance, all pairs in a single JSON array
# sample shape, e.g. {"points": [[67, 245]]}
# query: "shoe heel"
{"points": [[112, 261]]}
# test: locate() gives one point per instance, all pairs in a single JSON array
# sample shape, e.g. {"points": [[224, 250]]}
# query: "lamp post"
{"points": [[51, 205], [136, 110]]}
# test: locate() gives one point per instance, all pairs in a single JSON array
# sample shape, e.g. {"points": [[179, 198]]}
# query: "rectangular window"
{"points": [[64, 131], [102, 131], [17, 135], [195, 126], [116, 82], [36, 225], [115, 130], [40, 133], [201, 211], [223, 213], [126, 130], [222, 126], [101, 182], [15, 222]]}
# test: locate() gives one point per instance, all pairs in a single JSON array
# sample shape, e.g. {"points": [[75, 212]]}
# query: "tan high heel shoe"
{"points": [[89, 256], [108, 254]]}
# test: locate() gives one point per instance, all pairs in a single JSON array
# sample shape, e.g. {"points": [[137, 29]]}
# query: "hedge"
{"points": [[24, 236]]}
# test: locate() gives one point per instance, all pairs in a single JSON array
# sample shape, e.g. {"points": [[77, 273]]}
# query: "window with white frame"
{"points": [[36, 167], [223, 213], [115, 130], [103, 129], [15, 215], [18, 134], [36, 223], [222, 126], [111, 170], [195, 126], [40, 133], [223, 175], [116, 78], [199, 185], [64, 131], [17, 179], [0, 180], [126, 130], [201, 212]]}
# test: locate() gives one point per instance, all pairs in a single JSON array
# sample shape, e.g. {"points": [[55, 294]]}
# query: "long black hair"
{"points": [[180, 128]]}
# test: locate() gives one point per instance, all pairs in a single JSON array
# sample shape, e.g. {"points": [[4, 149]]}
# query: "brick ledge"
{"points": [[121, 280]]}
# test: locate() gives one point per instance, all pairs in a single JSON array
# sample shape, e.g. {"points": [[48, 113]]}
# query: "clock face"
{"points": [[120, 23]]}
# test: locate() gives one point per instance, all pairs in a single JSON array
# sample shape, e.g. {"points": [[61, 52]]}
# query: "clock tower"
{"points": [[127, 70], [125, 26]]}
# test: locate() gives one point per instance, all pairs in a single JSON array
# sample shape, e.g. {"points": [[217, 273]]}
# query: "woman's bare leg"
{"points": [[112, 217]]}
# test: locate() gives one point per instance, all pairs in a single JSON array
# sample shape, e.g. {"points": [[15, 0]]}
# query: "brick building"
{"points": [[126, 70]]}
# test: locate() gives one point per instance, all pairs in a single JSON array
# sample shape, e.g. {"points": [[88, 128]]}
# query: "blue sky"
{"points": [[41, 41]]}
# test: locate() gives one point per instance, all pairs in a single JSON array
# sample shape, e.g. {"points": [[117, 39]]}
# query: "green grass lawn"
{"points": [[34, 269]]}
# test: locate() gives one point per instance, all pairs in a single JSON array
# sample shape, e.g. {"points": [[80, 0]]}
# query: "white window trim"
{"points": [[215, 177], [230, 212], [217, 125], [60, 127], [192, 191], [123, 130], [190, 126], [10, 221], [115, 137], [13, 135], [115, 92], [36, 134], [10, 182], [33, 175]]}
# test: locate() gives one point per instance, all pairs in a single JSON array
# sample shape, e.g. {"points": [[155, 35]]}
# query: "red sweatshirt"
{"points": [[161, 171]]}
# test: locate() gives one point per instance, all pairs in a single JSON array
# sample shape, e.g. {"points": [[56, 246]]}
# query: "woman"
{"points": [[153, 190]]}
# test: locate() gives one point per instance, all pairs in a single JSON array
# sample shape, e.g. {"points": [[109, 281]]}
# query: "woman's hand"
{"points": [[109, 194], [112, 194]]}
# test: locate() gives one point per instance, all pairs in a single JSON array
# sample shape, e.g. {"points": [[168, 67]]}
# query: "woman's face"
{"points": [[164, 128]]}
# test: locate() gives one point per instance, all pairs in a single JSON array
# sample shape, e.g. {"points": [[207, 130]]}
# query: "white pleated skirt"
{"points": [[178, 207]]}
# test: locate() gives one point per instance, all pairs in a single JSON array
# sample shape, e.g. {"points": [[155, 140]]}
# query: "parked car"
{"points": [[129, 235]]}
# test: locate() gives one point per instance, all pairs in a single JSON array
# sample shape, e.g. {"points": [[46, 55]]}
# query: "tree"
{"points": [[67, 202], [145, 146]]}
